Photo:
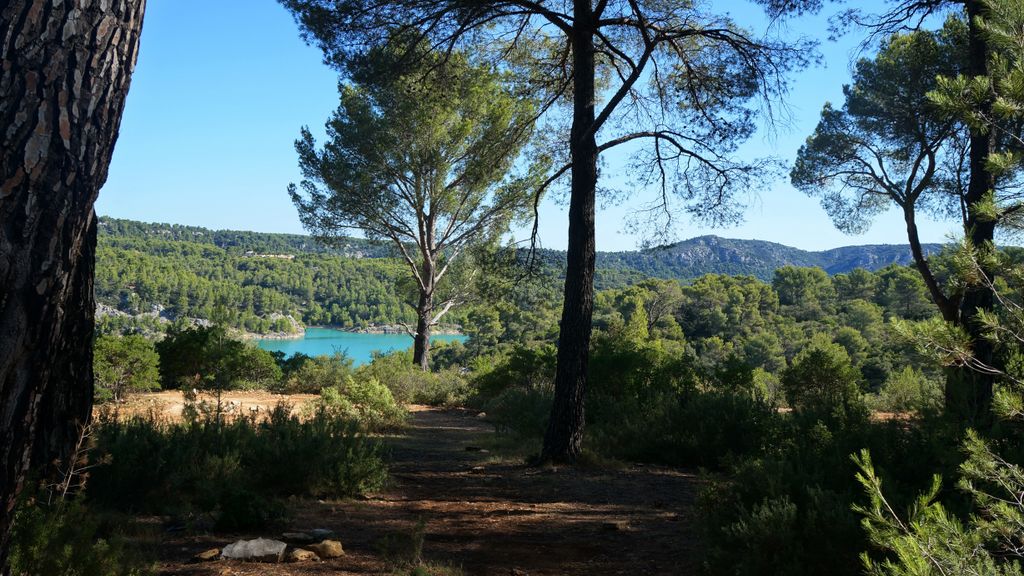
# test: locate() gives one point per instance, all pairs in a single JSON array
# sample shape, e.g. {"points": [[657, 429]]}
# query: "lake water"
{"points": [[359, 347]]}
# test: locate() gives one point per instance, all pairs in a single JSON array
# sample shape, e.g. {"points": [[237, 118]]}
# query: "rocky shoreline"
{"points": [[440, 330], [443, 330], [160, 315], [274, 335]]}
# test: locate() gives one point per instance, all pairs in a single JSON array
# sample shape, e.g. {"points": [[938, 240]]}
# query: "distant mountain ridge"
{"points": [[684, 260], [716, 255], [240, 241]]}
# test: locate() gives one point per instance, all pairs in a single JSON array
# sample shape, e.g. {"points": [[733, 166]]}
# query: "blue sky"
{"points": [[222, 88]]}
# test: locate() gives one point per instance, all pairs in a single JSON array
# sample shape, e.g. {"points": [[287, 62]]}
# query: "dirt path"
{"points": [[487, 516]]}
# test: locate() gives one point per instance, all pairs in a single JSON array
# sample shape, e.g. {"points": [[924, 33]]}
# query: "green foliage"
{"points": [[124, 364], [726, 306], [410, 385], [147, 272], [932, 536], [633, 384], [742, 424], [909, 391], [207, 359], [688, 375], [232, 470], [152, 275], [310, 375], [420, 154], [516, 389], [888, 145], [933, 541], [786, 508], [858, 284], [903, 294], [362, 400], [646, 402], [807, 293], [822, 381], [992, 102], [68, 539]]}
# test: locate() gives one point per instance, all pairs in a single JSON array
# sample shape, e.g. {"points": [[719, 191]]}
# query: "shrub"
{"points": [[823, 382], [365, 401], [411, 385], [310, 375], [207, 359], [124, 364], [522, 410], [646, 401], [712, 427], [67, 538], [909, 391], [634, 389], [804, 481], [231, 470], [516, 390]]}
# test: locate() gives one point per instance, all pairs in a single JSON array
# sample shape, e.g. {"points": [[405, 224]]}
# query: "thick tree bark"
{"points": [[69, 404], [421, 345], [564, 437], [969, 393], [66, 68]]}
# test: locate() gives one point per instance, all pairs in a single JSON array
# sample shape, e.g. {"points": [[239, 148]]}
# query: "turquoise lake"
{"points": [[359, 347]]}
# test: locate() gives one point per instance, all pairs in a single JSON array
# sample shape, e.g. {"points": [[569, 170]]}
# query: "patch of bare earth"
{"points": [[169, 404], [486, 516]]}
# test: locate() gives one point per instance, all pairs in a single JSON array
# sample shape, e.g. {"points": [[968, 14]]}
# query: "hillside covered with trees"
{"points": [[151, 274]]}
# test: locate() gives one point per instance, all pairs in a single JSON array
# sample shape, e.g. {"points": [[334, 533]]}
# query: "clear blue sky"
{"points": [[222, 88]]}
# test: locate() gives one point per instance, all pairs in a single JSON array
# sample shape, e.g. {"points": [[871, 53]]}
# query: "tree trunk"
{"points": [[564, 437], [969, 393], [425, 307], [66, 68], [421, 346], [69, 406], [946, 307]]}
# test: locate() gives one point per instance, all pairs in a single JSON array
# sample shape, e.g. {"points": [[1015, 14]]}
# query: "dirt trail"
{"points": [[492, 517]]}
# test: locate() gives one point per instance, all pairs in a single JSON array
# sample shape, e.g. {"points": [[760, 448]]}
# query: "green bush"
{"points": [[365, 401], [411, 385], [523, 410], [635, 389], [646, 402], [207, 359], [804, 481], [123, 365], [448, 387], [524, 367], [231, 470], [515, 390], [711, 427], [909, 391], [66, 538], [822, 381], [310, 375]]}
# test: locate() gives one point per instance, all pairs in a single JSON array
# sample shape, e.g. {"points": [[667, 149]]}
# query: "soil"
{"points": [[484, 514], [169, 404]]}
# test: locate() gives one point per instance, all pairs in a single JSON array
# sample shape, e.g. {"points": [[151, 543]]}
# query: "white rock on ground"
{"points": [[258, 550]]}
